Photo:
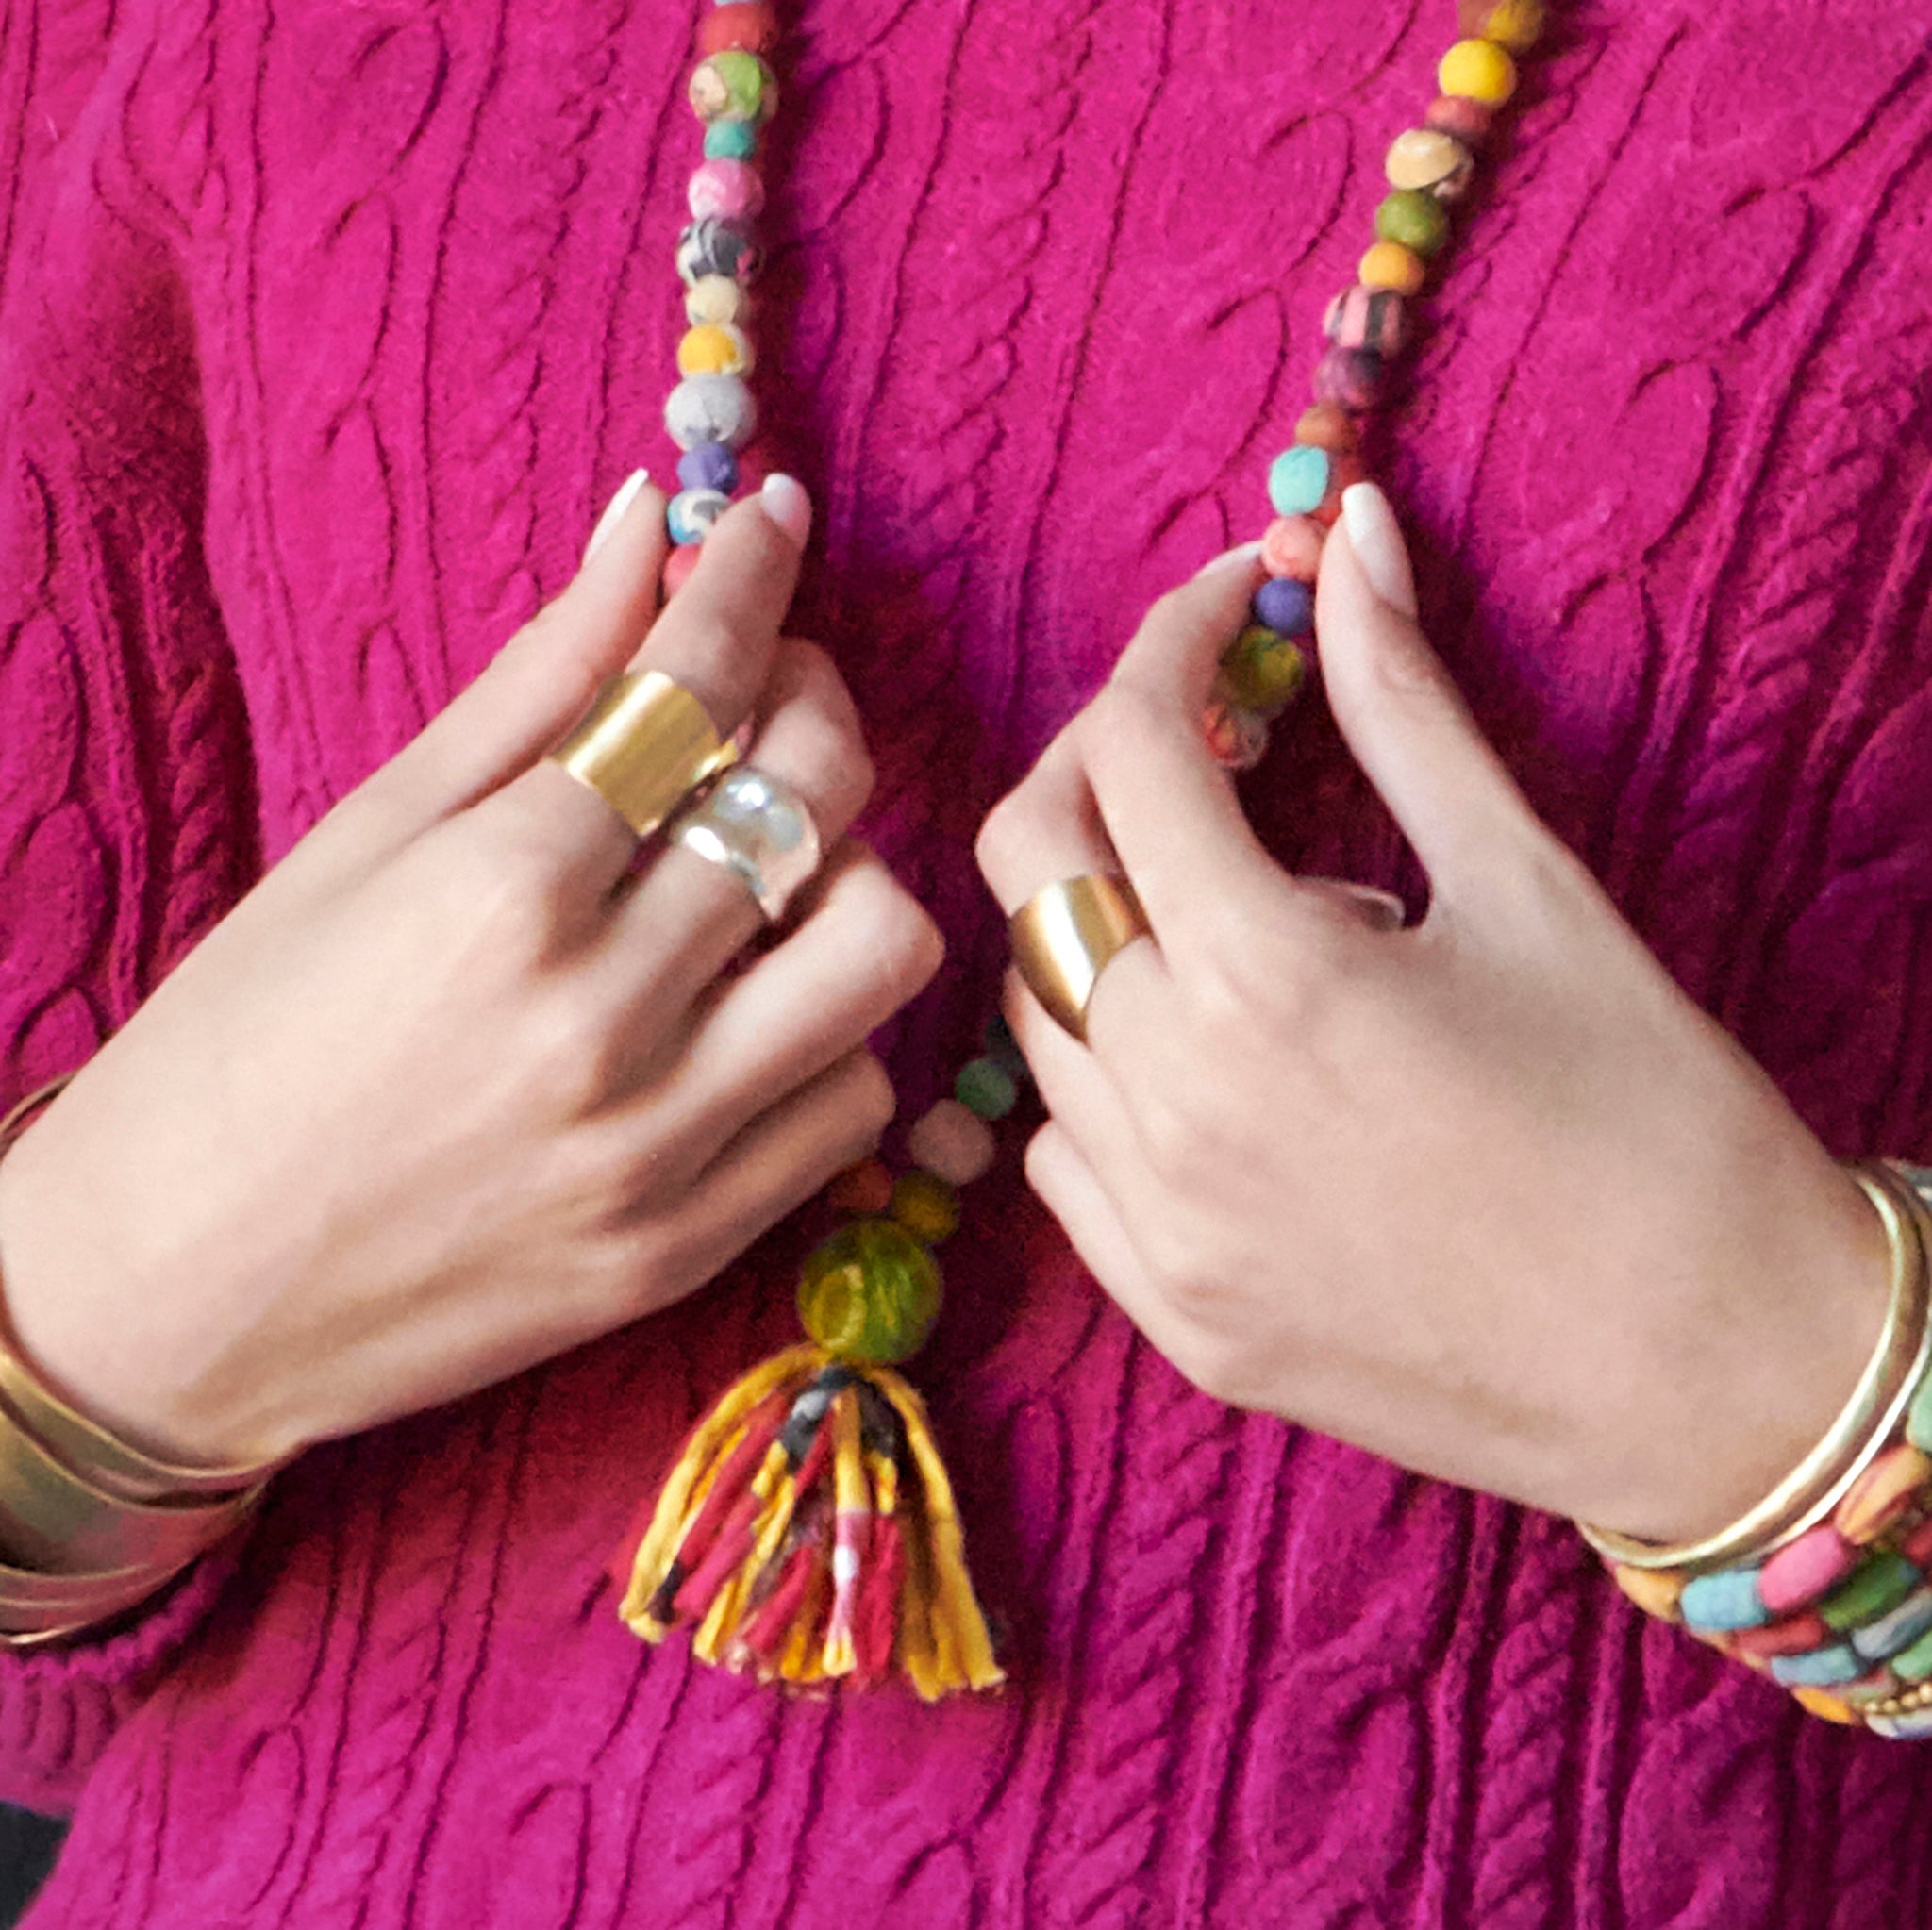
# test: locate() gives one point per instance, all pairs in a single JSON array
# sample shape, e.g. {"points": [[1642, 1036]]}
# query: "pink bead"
{"points": [[952, 1143], [727, 191], [1810, 1567], [1292, 547], [1891, 1485]]}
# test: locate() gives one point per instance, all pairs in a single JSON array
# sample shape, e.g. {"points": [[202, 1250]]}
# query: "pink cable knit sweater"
{"points": [[328, 326]]}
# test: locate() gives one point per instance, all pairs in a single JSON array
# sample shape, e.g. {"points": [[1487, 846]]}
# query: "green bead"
{"points": [[872, 1292], [985, 1089], [1262, 670], [730, 141], [1876, 1588], [1413, 218], [1915, 1663]]}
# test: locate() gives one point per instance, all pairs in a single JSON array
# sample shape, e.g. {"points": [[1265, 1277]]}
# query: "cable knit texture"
{"points": [[330, 324]]}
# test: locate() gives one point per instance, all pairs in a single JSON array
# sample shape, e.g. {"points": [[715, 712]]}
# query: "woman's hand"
{"points": [[1489, 1195], [449, 1093]]}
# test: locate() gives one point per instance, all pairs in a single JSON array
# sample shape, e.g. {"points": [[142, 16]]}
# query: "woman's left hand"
{"points": [[1489, 1195]]}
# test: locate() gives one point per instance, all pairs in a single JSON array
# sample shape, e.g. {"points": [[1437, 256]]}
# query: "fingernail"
{"points": [[1237, 559], [613, 513], [1377, 540], [788, 506]]}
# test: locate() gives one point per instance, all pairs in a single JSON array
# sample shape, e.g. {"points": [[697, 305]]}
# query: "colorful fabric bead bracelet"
{"points": [[1834, 1600]]}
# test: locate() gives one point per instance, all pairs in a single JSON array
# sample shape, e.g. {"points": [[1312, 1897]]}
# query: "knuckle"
{"points": [[870, 1099]]}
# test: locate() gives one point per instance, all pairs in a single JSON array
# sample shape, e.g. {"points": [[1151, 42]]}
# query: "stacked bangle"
{"points": [[1827, 1585], [91, 1526]]}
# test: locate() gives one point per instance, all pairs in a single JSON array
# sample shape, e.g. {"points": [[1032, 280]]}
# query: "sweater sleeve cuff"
{"points": [[59, 1705]]}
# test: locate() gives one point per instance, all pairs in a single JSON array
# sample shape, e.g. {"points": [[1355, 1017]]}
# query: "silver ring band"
{"points": [[757, 828]]}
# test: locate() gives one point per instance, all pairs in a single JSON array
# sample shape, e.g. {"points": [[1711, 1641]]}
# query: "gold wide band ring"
{"points": [[645, 746], [1066, 936]]}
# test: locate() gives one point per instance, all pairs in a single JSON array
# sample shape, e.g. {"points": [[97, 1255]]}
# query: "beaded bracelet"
{"points": [[1826, 1588]]}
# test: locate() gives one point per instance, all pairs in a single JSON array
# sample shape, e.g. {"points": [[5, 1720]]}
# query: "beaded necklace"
{"points": [[808, 1531]]}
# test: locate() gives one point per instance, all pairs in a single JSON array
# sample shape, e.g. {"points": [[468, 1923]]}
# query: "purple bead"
{"points": [[709, 466], [1286, 607]]}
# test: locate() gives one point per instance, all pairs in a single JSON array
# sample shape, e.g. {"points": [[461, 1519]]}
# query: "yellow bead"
{"points": [[925, 1206], [1517, 24], [1817, 1702], [714, 348], [871, 1293], [1477, 71], [716, 298], [1653, 1590], [1389, 265]]}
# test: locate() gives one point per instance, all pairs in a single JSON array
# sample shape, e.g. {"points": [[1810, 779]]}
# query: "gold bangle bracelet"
{"points": [[54, 1521], [1820, 1480]]}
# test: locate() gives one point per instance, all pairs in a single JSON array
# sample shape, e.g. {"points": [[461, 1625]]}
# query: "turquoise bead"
{"points": [[1298, 480], [1898, 1630], [1821, 1669], [731, 141], [1716, 1604], [1918, 1419], [984, 1089]]}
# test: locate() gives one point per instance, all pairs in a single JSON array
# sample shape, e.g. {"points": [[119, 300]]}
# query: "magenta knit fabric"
{"points": [[328, 327]]}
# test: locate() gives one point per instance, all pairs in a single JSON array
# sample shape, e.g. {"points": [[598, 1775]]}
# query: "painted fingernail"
{"points": [[1377, 540], [1240, 557], [788, 506], [613, 513]]}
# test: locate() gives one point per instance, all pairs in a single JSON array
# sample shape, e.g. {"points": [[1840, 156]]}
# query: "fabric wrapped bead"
{"points": [[731, 141], [1477, 71], [1261, 670], [1915, 1725], [679, 566], [1657, 1592], [865, 1188], [926, 1207], [712, 408], [1413, 219], [1325, 426], [690, 514], [737, 85], [716, 246], [731, 189], [709, 466], [1373, 318], [1915, 1664], [1828, 1708], [1818, 1669], [1517, 24], [986, 1089], [1286, 605], [1806, 1569], [1436, 162], [1897, 1629], [715, 348], [1392, 266], [1716, 1604], [1882, 1494], [746, 25], [1793, 1635], [1876, 1588], [1356, 379], [1298, 479], [717, 299], [1466, 121], [953, 1142], [1236, 738], [1292, 547]]}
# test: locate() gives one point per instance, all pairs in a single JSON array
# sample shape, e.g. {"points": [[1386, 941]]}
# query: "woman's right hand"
{"points": [[447, 1094]]}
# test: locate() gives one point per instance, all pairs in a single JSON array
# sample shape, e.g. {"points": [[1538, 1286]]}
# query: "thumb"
{"points": [[1397, 706], [545, 676]]}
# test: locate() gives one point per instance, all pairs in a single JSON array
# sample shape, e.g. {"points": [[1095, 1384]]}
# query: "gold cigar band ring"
{"points": [[1066, 936], [645, 746]]}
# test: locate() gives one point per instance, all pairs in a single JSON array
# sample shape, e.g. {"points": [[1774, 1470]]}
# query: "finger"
{"points": [[1076, 1086], [543, 679], [1072, 1191], [865, 950], [779, 1162], [1401, 714], [1167, 806], [718, 642], [686, 917]]}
